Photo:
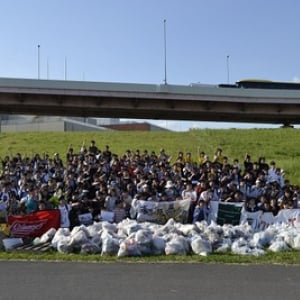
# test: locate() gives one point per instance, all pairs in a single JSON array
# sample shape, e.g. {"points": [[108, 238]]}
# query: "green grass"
{"points": [[281, 145], [289, 257]]}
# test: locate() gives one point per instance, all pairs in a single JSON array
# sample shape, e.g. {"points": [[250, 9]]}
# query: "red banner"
{"points": [[34, 224]]}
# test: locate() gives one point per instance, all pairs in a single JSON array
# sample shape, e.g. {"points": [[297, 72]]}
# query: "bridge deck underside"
{"points": [[151, 107]]}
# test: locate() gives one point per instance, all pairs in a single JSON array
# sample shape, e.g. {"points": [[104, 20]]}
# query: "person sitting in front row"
{"points": [[201, 212]]}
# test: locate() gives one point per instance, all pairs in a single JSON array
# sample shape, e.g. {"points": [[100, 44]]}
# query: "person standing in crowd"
{"points": [[127, 199], [88, 176], [119, 212], [218, 157], [64, 210], [251, 205], [13, 205], [57, 160], [180, 158], [30, 201], [201, 157], [248, 165], [188, 158], [163, 156], [256, 190], [274, 206], [262, 165], [93, 149], [235, 175], [70, 154], [170, 191], [5, 192], [107, 154], [189, 192], [111, 199], [201, 212]]}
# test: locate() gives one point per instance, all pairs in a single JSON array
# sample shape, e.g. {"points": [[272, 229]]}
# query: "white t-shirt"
{"points": [[189, 194], [64, 216]]}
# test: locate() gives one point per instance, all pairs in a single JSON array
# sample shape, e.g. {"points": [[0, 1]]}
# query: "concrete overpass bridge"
{"points": [[148, 101]]}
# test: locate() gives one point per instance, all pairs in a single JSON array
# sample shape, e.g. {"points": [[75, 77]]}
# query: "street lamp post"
{"points": [[228, 69], [39, 73], [165, 48]]}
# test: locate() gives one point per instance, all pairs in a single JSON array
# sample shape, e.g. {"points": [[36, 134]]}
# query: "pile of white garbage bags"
{"points": [[130, 238]]}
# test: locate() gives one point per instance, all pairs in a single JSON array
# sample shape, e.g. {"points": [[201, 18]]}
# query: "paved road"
{"points": [[54, 280]]}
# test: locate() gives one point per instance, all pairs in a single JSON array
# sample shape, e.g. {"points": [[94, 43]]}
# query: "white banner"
{"points": [[252, 218], [260, 220], [107, 216], [266, 220], [85, 219], [289, 216], [161, 212]]}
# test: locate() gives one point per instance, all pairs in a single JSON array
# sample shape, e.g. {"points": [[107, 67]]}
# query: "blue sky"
{"points": [[123, 41]]}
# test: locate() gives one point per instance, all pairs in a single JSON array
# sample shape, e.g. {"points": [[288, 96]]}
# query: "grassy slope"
{"points": [[281, 145]]}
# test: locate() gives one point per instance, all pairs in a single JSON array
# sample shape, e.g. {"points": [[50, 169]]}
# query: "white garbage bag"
{"points": [[262, 239], [201, 246], [159, 245], [278, 245], [240, 246], [96, 239], [214, 235], [110, 245], [81, 228], [201, 226], [64, 245], [129, 228], [144, 241], [223, 246], [129, 247], [169, 227], [60, 233], [48, 236], [187, 230], [90, 248], [79, 237], [297, 242], [94, 229], [177, 246], [110, 227]]}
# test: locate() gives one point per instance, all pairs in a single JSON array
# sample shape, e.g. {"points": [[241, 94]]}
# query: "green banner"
{"points": [[229, 214]]}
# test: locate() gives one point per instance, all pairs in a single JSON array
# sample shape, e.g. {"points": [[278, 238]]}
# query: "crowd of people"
{"points": [[93, 180]]}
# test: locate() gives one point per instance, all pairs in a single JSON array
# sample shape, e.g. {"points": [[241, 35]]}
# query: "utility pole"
{"points": [[39, 70], [65, 68], [165, 49], [228, 69]]}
